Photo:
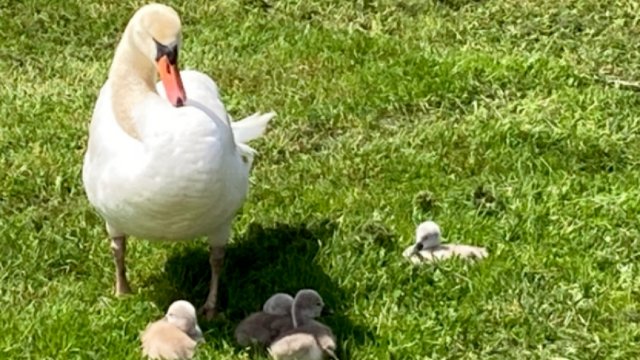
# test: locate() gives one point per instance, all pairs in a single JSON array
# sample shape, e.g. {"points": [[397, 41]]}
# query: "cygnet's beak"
{"points": [[197, 334], [326, 311], [417, 248]]}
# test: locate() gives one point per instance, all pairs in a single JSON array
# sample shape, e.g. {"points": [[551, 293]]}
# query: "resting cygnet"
{"points": [[309, 339], [175, 336], [428, 247], [260, 328], [278, 304]]}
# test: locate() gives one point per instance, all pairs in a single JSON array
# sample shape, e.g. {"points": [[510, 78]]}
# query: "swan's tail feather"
{"points": [[251, 127]]}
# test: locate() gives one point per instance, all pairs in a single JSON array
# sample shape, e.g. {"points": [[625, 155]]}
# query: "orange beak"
{"points": [[171, 80]]}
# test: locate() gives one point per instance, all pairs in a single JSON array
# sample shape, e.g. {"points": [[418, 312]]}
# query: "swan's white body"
{"points": [[164, 161], [187, 177]]}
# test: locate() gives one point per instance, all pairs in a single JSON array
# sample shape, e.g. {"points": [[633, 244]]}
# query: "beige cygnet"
{"points": [[260, 328], [175, 336], [309, 339], [428, 247]]}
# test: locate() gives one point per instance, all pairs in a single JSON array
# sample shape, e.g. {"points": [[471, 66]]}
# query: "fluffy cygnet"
{"points": [[175, 336], [278, 304], [260, 328], [429, 248], [309, 339]]}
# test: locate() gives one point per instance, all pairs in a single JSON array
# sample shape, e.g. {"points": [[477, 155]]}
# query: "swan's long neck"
{"points": [[132, 78], [297, 316]]}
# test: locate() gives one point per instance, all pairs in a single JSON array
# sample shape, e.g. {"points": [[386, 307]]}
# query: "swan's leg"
{"points": [[217, 245], [119, 249]]}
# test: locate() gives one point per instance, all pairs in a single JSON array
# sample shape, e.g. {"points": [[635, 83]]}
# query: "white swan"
{"points": [[165, 162]]}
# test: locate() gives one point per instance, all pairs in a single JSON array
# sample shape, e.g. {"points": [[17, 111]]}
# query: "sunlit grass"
{"points": [[486, 116]]}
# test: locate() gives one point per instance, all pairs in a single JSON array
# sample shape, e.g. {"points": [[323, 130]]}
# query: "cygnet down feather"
{"points": [[260, 328], [175, 336], [428, 246], [309, 339]]}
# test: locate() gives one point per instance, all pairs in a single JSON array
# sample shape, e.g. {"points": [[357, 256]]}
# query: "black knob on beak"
{"points": [[170, 51]]}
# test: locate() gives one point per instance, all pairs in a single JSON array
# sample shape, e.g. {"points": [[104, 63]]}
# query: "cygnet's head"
{"points": [[427, 236], [182, 315], [155, 31], [308, 304], [278, 304]]}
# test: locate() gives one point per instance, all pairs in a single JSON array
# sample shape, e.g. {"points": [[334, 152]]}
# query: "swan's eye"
{"points": [[170, 51]]}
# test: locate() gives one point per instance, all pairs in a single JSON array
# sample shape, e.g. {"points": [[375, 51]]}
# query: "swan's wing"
{"points": [[201, 89]]}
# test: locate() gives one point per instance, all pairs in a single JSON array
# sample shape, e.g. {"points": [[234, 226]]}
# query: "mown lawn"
{"points": [[491, 117]]}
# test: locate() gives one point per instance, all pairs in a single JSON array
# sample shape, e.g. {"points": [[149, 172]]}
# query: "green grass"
{"points": [[486, 116]]}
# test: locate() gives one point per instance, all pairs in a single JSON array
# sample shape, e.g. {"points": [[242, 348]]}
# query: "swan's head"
{"points": [[307, 304], [427, 236], [278, 304], [155, 30], [182, 315]]}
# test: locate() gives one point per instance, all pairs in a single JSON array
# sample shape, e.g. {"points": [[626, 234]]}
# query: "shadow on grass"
{"points": [[458, 4], [260, 263]]}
